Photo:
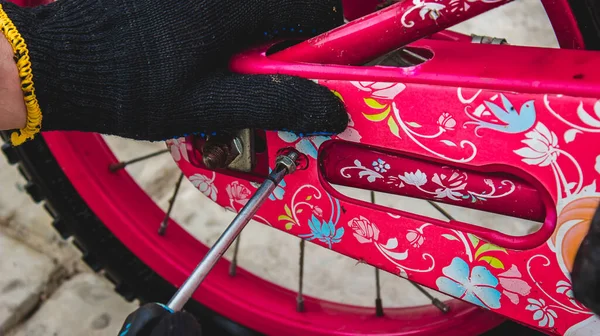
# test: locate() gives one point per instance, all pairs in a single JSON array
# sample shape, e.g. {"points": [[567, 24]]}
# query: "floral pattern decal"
{"points": [[433, 9], [461, 137], [178, 149], [367, 232], [513, 285], [476, 285], [238, 193], [205, 185], [445, 183], [541, 313], [364, 231], [323, 230]]}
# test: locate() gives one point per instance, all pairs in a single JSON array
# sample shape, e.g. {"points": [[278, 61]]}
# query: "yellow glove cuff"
{"points": [[21, 55]]}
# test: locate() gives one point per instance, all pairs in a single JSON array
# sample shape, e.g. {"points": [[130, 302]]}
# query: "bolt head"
{"points": [[220, 152]]}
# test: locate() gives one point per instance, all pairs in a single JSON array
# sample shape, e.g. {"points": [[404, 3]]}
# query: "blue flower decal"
{"points": [[324, 231], [381, 166], [476, 286], [306, 145], [279, 190]]}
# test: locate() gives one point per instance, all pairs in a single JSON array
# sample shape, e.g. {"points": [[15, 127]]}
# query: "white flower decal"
{"points": [[593, 121], [317, 211], [542, 146], [364, 230], [431, 8], [238, 192], [382, 90], [450, 185], [563, 287], [446, 121], [205, 185], [542, 313], [425, 8], [416, 179], [513, 284], [371, 175], [178, 149], [597, 164], [415, 238]]}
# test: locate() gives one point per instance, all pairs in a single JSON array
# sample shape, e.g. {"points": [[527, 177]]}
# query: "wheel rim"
{"points": [[245, 298]]}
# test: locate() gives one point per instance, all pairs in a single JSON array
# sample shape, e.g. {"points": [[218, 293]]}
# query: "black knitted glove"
{"points": [[156, 69]]}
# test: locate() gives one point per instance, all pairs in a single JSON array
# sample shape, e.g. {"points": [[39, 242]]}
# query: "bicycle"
{"points": [[436, 154]]}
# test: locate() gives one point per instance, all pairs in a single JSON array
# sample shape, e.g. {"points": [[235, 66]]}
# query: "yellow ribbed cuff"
{"points": [[21, 55]]}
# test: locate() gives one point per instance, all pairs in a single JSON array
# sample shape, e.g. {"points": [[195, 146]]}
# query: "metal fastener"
{"points": [[487, 39], [288, 161], [220, 151]]}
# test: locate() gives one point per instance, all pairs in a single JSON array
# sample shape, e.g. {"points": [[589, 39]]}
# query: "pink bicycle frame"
{"points": [[465, 128]]}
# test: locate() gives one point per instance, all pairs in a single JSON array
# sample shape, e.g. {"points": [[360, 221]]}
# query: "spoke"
{"points": [[416, 56], [165, 221], [441, 210], [236, 248], [378, 302], [434, 301], [118, 166], [300, 298]]}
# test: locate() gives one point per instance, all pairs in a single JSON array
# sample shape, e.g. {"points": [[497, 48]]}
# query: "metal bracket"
{"points": [[487, 39], [244, 144]]}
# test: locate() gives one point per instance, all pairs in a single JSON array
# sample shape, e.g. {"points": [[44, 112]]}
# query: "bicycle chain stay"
{"points": [[464, 127]]}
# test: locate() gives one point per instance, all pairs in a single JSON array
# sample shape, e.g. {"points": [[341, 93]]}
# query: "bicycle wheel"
{"points": [[125, 263]]}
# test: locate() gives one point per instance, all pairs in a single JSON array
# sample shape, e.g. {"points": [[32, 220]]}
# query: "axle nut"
{"points": [[288, 161], [220, 151]]}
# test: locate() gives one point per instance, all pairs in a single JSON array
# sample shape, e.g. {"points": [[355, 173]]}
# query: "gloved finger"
{"points": [[270, 102], [144, 319], [178, 324], [586, 268]]}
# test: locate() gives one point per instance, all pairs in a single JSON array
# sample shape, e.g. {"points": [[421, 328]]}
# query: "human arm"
{"points": [[12, 106]]}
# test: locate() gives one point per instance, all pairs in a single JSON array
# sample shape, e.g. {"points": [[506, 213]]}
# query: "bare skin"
{"points": [[12, 107]]}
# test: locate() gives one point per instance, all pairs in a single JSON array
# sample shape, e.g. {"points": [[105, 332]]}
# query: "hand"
{"points": [[154, 319], [156, 69], [586, 268]]}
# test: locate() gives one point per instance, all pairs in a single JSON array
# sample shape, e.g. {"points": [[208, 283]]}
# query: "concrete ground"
{"points": [[46, 290]]}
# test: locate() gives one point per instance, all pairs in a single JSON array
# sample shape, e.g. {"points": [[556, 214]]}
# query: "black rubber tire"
{"points": [[102, 251]]}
